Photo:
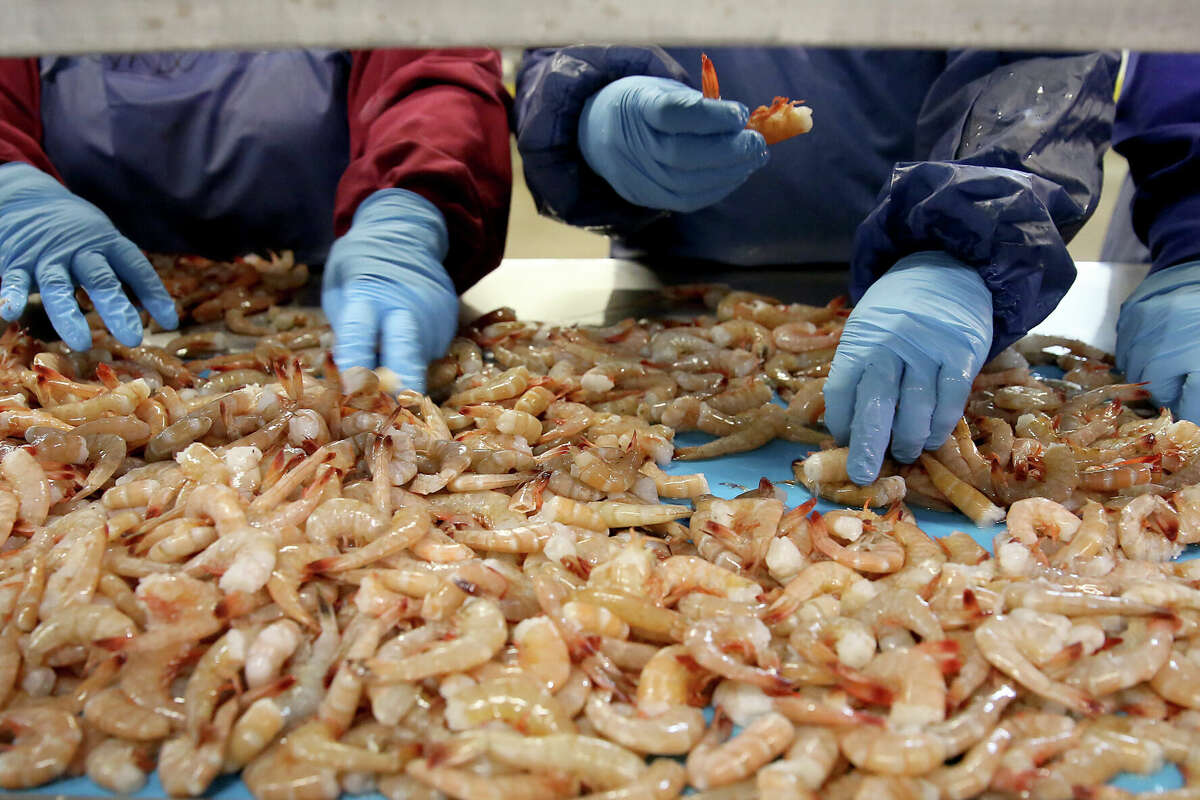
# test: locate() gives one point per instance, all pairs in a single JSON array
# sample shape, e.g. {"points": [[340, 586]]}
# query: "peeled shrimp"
{"points": [[714, 762], [44, 741], [481, 632]]}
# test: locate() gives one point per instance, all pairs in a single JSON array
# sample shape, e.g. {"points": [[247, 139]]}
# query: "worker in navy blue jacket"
{"points": [[950, 182], [1158, 131]]}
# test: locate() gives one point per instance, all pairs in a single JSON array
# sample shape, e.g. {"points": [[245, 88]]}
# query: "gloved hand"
{"points": [[386, 292], [1157, 332], [51, 236], [904, 366], [661, 144]]}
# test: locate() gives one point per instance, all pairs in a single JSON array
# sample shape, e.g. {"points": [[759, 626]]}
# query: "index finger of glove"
{"points": [[402, 351], [136, 270], [688, 111], [356, 336], [95, 275], [874, 409]]}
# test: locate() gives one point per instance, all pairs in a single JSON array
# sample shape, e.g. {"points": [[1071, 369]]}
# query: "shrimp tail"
{"points": [[946, 652], [857, 685], [708, 78]]}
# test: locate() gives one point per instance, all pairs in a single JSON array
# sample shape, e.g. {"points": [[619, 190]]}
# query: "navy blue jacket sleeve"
{"points": [[1012, 145], [1158, 131], [552, 87]]}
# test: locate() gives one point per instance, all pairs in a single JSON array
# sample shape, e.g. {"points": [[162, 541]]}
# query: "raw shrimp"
{"points": [[674, 731], [44, 740], [763, 426], [713, 644], [1091, 549], [219, 664], [28, 479], [254, 730], [465, 784], [716, 762], [892, 752], [274, 645], [679, 575], [782, 120], [1007, 640], [970, 725], [518, 700], [1144, 649], [1148, 529], [541, 651], [881, 554], [112, 712], [1034, 516], [965, 498], [913, 682], [663, 780], [825, 466], [481, 633], [816, 579], [120, 767], [598, 763], [680, 486], [667, 681], [80, 624], [313, 743]]}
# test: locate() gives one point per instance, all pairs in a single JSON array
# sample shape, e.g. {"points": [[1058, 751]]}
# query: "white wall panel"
{"points": [[31, 27]]}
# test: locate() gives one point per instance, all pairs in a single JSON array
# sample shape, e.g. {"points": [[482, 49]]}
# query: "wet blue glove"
{"points": [[55, 239], [907, 358], [1157, 334], [661, 144], [386, 292]]}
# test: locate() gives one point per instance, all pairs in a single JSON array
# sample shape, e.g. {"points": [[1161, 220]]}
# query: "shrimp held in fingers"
{"points": [[782, 120]]}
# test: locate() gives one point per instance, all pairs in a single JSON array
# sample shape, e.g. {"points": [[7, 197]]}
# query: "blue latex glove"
{"points": [[1157, 334], [386, 292], [55, 239], [907, 358], [661, 144]]}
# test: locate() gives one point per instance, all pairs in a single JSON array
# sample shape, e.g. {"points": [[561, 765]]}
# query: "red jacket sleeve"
{"points": [[434, 122], [21, 115]]}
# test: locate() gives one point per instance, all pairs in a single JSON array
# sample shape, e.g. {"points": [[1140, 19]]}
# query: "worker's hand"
{"points": [[1157, 334], [906, 361], [55, 239], [386, 292], [661, 144]]}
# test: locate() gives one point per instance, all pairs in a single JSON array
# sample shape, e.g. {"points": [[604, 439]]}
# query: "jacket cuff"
{"points": [[999, 221], [1174, 233], [551, 92]]}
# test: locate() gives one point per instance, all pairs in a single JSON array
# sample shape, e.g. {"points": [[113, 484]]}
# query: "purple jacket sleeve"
{"points": [[552, 87], [1158, 130], [1013, 144]]}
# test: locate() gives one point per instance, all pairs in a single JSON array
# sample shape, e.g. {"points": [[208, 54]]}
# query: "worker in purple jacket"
{"points": [[1157, 129], [950, 182]]}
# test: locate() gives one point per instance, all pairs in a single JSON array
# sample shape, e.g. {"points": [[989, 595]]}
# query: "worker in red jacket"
{"points": [[391, 166]]}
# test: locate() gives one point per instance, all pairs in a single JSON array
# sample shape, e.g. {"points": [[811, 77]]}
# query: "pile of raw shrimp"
{"points": [[216, 562], [1082, 438], [206, 290]]}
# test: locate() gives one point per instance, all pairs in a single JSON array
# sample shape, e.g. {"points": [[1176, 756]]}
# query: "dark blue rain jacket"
{"points": [[1158, 131], [991, 157], [211, 152]]}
